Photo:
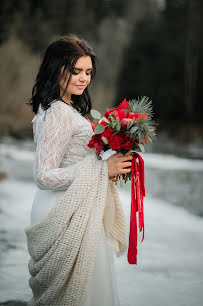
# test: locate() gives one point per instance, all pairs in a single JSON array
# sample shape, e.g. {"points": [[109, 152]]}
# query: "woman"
{"points": [[61, 102]]}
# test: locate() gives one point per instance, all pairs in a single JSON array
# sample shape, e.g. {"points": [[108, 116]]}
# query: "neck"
{"points": [[66, 98]]}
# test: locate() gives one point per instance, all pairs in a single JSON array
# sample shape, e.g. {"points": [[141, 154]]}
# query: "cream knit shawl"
{"points": [[63, 245]]}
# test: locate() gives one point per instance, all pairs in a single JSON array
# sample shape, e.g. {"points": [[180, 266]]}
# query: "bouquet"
{"points": [[127, 127]]}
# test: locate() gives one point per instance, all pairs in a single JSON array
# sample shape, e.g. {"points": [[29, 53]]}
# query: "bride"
{"points": [[76, 216]]}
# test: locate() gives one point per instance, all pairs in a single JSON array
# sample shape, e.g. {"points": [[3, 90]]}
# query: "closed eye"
{"points": [[76, 71]]}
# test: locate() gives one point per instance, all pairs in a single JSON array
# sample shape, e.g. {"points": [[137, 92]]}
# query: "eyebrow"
{"points": [[82, 69]]}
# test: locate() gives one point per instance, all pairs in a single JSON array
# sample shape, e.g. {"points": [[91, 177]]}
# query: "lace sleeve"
{"points": [[52, 144]]}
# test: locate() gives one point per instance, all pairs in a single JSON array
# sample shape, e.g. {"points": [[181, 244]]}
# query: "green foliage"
{"points": [[133, 129], [105, 140], [143, 106], [95, 114], [142, 129], [105, 119], [99, 129]]}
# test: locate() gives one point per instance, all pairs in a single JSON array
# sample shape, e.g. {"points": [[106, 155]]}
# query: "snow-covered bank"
{"points": [[169, 269], [168, 177]]}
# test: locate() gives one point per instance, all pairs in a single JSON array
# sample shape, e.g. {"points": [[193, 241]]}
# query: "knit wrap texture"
{"points": [[62, 246]]}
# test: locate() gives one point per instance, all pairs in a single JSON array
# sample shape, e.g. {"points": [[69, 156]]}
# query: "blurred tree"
{"points": [[164, 59], [36, 22], [192, 54]]}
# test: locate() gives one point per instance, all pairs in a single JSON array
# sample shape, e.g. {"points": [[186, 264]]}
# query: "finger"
{"points": [[128, 157], [128, 170], [126, 164]]}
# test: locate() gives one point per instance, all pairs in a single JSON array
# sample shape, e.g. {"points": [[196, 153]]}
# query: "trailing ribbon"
{"points": [[137, 194], [93, 127]]}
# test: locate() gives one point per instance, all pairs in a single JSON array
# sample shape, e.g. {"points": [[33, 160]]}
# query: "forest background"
{"points": [[143, 47], [148, 47]]}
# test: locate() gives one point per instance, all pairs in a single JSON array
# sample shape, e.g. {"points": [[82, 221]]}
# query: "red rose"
{"points": [[115, 142], [107, 133], [127, 142], [96, 142]]}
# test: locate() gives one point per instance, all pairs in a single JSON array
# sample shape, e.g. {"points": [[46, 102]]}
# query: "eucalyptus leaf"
{"points": [[133, 129], [99, 129], [105, 140], [105, 119], [141, 147], [114, 125], [137, 148], [95, 114], [118, 126]]}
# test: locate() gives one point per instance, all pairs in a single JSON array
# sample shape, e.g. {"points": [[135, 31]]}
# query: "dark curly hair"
{"points": [[64, 51]]}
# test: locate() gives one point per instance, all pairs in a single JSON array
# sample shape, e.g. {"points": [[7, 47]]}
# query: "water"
{"points": [[169, 269]]}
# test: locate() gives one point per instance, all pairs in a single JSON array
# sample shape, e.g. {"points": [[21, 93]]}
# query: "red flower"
{"points": [[123, 105], [137, 116], [121, 111], [107, 113], [107, 133], [121, 114], [97, 143], [115, 142], [127, 142]]}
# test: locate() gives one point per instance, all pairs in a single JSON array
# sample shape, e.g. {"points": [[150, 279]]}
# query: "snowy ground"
{"points": [[169, 269]]}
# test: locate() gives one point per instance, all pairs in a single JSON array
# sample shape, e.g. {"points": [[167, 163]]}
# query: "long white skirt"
{"points": [[102, 285]]}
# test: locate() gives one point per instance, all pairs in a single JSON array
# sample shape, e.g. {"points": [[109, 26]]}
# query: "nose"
{"points": [[83, 77]]}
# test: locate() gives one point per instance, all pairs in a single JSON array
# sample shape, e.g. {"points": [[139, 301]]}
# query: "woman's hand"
{"points": [[117, 164]]}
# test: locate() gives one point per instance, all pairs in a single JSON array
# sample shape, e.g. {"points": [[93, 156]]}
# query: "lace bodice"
{"points": [[61, 135]]}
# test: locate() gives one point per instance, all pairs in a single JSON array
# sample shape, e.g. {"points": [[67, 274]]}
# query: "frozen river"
{"points": [[169, 269]]}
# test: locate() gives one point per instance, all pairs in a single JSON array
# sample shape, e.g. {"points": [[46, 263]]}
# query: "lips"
{"points": [[80, 86]]}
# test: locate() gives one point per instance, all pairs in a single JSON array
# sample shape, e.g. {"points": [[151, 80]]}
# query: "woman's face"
{"points": [[81, 77]]}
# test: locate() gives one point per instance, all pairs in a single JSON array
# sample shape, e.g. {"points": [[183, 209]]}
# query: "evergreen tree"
{"points": [[156, 63]]}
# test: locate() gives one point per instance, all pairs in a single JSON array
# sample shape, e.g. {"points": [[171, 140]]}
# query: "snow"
{"points": [[169, 269], [166, 161], [159, 161]]}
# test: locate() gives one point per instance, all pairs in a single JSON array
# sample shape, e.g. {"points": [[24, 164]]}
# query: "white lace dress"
{"points": [[62, 134]]}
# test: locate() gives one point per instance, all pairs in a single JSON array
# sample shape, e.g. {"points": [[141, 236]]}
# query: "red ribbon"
{"points": [[93, 127], [137, 194]]}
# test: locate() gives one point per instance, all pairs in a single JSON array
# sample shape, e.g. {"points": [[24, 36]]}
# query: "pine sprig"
{"points": [[142, 105], [145, 126]]}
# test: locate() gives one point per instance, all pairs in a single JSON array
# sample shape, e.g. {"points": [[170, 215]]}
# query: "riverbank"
{"points": [[13, 303], [169, 269]]}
